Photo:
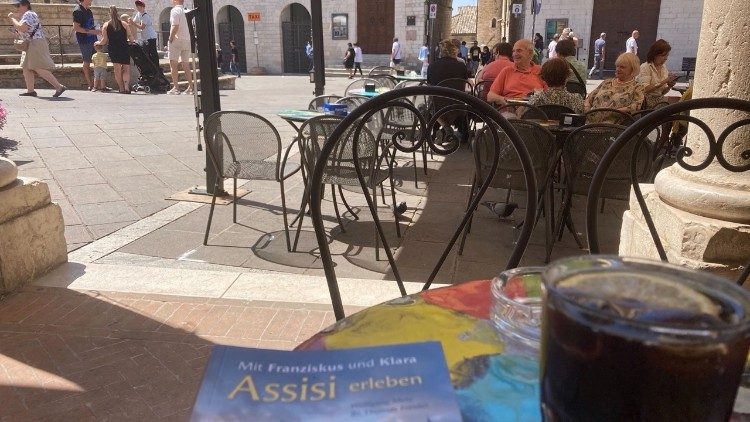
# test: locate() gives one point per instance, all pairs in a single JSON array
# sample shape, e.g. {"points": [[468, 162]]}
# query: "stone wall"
{"points": [[57, 21], [486, 11]]}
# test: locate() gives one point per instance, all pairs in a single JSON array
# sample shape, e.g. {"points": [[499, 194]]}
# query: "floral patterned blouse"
{"points": [[615, 94], [558, 96], [31, 19]]}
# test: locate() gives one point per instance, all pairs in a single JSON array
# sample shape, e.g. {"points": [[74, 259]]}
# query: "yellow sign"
{"points": [[253, 17]]}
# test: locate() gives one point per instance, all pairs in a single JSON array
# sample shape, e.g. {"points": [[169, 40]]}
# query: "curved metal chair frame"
{"points": [[481, 89], [634, 134], [387, 81], [468, 86], [576, 88], [404, 84], [618, 117], [316, 104], [356, 121], [523, 111], [400, 121], [360, 84], [235, 163], [381, 70], [544, 154]]}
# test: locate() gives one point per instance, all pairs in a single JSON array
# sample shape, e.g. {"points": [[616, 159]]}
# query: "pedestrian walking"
{"points": [[599, 55], [36, 59], [146, 32], [349, 60], [358, 59], [631, 45], [551, 53], [424, 57], [178, 46], [395, 53], [538, 44], [309, 53], [219, 58], [234, 67], [99, 60], [475, 55], [86, 36]]}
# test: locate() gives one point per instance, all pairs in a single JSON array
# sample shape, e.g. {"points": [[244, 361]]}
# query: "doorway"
{"points": [[643, 15], [295, 32], [375, 26], [231, 27]]}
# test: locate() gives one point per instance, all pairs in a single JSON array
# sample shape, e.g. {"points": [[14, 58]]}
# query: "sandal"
{"points": [[59, 91], [27, 94]]}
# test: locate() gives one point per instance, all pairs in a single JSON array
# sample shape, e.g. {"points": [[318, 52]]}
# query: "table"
{"points": [[410, 78], [681, 87], [491, 382], [362, 93]]}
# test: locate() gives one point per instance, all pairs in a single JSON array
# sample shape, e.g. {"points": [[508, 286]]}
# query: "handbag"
{"points": [[23, 45]]}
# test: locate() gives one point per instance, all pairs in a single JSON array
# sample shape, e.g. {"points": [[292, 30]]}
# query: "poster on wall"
{"points": [[340, 26]]}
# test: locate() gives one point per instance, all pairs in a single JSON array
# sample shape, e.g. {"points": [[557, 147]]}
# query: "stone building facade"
{"points": [[281, 46]]}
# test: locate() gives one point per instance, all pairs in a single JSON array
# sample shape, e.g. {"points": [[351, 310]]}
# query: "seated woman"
{"points": [[555, 73], [654, 76], [566, 49], [622, 92], [449, 68]]}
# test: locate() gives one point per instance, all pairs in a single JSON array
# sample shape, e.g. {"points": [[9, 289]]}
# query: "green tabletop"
{"points": [[299, 115], [362, 93]]}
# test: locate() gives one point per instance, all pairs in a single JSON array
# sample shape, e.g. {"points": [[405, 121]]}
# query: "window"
{"points": [[494, 23], [552, 27], [340, 26]]}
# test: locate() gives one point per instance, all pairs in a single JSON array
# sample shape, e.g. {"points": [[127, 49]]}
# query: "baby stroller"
{"points": [[152, 78]]}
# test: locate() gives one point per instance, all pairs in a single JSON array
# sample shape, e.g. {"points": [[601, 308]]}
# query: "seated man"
{"points": [[519, 80], [502, 53]]}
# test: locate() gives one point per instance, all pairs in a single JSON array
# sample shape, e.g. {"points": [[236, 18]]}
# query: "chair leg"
{"points": [[382, 193], [301, 216], [395, 214], [336, 209], [346, 204], [283, 212], [211, 212], [548, 218], [234, 202], [416, 179], [601, 210], [375, 210]]}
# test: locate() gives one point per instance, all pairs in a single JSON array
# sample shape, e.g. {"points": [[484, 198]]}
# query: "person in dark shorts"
{"points": [[349, 60], [86, 32]]}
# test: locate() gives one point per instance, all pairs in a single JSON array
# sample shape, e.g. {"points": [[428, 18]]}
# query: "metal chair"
{"points": [[481, 89], [381, 70], [608, 115], [316, 104], [582, 153], [355, 124], [458, 84], [555, 111], [404, 84], [360, 84], [387, 81], [509, 175], [633, 136], [351, 102], [239, 144], [343, 164], [576, 88], [401, 123], [530, 112]]}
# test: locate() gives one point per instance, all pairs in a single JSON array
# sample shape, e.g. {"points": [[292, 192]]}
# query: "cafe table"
{"points": [[369, 94], [491, 381], [417, 78]]}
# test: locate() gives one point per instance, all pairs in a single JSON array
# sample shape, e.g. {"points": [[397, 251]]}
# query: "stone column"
{"points": [[703, 217]]}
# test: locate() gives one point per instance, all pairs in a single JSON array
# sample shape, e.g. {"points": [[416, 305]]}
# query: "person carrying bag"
{"points": [[35, 57]]}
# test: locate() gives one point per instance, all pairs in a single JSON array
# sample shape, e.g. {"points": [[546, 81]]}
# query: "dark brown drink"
{"points": [[634, 340]]}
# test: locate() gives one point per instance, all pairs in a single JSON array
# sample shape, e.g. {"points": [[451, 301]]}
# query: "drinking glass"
{"points": [[627, 339]]}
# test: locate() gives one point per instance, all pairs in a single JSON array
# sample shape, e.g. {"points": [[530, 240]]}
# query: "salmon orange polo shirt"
{"points": [[513, 83]]}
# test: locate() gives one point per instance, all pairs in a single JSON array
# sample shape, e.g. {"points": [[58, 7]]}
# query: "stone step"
{"points": [[15, 59]]}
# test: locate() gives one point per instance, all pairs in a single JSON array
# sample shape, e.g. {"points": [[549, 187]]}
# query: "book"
{"points": [[406, 382]]}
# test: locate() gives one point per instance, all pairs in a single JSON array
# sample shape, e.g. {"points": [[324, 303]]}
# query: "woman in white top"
{"points": [[36, 59], [358, 59], [656, 80]]}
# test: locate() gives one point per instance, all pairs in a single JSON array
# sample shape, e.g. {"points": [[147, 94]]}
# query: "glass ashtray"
{"points": [[517, 307]]}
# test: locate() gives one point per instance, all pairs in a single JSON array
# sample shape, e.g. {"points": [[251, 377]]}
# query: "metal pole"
{"points": [[316, 12], [208, 100]]}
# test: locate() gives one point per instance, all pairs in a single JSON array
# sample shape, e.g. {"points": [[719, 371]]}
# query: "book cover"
{"points": [[406, 382]]}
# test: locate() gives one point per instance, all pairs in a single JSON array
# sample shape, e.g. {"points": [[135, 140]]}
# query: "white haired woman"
{"points": [[36, 59], [622, 92]]}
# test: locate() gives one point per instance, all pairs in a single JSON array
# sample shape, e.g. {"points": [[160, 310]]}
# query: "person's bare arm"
{"points": [[21, 27], [496, 99], [173, 32], [105, 39]]}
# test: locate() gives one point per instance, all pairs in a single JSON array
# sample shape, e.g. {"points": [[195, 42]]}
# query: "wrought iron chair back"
{"points": [[608, 115], [239, 144], [634, 135], [351, 102], [576, 88], [404, 84], [316, 104], [355, 124], [458, 84], [531, 112], [387, 81], [381, 70], [481, 89], [360, 84]]}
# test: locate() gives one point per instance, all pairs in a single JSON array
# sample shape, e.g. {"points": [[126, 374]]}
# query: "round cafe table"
{"points": [[491, 383]]}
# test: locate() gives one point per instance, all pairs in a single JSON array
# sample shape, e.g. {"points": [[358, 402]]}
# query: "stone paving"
{"points": [[124, 329]]}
